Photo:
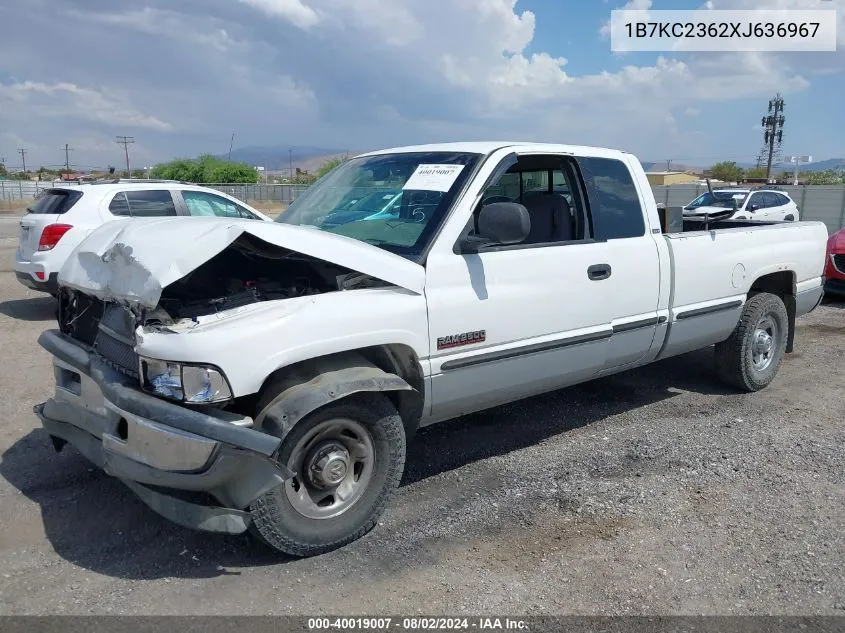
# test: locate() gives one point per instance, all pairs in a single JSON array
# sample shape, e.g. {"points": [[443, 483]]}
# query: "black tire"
{"points": [[789, 218], [280, 525], [735, 356]]}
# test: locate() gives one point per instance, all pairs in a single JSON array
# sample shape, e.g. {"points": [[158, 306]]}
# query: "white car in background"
{"points": [[751, 204], [64, 215]]}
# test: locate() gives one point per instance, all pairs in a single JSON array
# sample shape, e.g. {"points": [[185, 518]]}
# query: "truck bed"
{"points": [[713, 270]]}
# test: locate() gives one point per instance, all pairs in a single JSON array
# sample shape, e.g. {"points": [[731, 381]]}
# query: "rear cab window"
{"points": [[55, 202], [615, 205], [143, 203]]}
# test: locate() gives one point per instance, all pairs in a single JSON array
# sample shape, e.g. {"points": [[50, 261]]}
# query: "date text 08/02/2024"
{"points": [[418, 623]]}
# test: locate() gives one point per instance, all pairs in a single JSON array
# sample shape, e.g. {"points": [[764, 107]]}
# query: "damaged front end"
{"points": [[174, 432], [199, 467]]}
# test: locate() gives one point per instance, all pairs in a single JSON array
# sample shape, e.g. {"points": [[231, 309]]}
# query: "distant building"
{"points": [[671, 178]]}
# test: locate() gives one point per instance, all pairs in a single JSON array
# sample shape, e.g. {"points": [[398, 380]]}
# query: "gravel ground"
{"points": [[657, 491]]}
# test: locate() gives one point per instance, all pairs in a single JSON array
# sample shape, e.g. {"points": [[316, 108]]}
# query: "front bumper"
{"points": [[156, 447], [834, 286]]}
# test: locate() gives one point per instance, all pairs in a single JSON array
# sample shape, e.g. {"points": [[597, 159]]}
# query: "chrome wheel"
{"points": [[764, 343], [333, 465]]}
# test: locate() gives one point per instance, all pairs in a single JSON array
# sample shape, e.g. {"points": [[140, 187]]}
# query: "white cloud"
{"points": [[634, 10], [294, 11], [356, 74], [692, 112], [63, 100]]}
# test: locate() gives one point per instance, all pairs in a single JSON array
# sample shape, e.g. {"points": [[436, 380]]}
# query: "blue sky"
{"points": [[359, 74]]}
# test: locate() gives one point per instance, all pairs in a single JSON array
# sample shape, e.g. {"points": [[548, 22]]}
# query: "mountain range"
{"points": [[836, 164]]}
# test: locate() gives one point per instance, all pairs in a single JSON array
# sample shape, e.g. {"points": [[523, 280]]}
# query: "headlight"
{"points": [[194, 384]]}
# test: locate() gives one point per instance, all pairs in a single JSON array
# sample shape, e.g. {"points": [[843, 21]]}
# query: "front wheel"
{"points": [[750, 358], [347, 459]]}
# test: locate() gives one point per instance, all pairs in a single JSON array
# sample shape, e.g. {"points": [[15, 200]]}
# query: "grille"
{"points": [[119, 355], [839, 263], [115, 340]]}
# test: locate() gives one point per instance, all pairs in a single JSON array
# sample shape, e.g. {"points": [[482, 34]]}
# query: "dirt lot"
{"points": [[654, 491]]}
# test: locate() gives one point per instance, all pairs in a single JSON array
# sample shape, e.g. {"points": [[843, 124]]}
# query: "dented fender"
{"points": [[334, 382]]}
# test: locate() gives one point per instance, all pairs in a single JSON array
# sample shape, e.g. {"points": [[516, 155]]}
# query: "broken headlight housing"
{"points": [[192, 384]]}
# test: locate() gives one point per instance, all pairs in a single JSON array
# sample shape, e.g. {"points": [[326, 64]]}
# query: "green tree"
{"points": [[3, 171], [755, 172], [727, 171], [330, 164], [205, 169], [827, 177]]}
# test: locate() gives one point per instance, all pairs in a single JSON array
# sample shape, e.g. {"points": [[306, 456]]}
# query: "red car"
{"points": [[834, 270]]}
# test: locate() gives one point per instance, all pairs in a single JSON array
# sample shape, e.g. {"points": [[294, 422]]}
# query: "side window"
{"points": [[548, 187], [507, 188], [757, 201], [202, 203], [781, 200], [614, 201], [141, 204]]}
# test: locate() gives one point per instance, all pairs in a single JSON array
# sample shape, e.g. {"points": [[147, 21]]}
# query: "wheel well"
{"points": [[392, 358], [781, 284]]}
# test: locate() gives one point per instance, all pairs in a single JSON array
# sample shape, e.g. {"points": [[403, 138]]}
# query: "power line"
{"points": [[22, 151], [126, 141]]}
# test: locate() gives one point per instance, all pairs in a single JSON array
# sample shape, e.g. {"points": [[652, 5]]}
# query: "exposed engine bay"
{"points": [[248, 271]]}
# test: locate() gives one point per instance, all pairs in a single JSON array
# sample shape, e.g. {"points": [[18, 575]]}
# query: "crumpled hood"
{"points": [[131, 261], [707, 210]]}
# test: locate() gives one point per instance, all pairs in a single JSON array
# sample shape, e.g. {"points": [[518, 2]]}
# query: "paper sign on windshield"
{"points": [[433, 177]]}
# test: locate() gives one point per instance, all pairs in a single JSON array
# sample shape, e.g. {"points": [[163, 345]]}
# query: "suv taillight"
{"points": [[51, 235]]}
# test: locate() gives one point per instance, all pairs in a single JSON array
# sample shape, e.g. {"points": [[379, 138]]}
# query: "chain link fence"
{"points": [[825, 203]]}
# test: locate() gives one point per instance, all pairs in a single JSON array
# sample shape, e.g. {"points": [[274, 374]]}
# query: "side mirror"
{"points": [[504, 223], [498, 223], [734, 205]]}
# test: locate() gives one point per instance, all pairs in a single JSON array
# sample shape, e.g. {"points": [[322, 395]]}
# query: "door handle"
{"points": [[597, 272]]}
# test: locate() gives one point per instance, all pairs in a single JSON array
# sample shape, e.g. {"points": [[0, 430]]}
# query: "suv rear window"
{"points": [[143, 203], [55, 202]]}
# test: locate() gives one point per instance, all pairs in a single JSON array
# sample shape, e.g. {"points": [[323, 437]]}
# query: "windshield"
{"points": [[393, 201], [721, 199]]}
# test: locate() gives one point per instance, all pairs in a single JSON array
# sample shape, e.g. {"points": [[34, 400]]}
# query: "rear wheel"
{"points": [[751, 357], [347, 459]]}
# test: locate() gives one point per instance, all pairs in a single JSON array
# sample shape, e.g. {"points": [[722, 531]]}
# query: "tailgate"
{"points": [[31, 227], [48, 209]]}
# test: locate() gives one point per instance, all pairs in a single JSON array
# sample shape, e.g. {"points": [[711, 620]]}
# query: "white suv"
{"points": [[751, 204], [64, 215]]}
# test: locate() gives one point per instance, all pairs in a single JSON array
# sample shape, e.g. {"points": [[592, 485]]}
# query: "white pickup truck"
{"points": [[242, 375]]}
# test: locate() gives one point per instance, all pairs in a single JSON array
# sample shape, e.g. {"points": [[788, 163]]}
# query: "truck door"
{"points": [[633, 287], [512, 321]]}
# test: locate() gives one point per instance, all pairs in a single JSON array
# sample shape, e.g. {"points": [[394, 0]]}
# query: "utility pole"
{"points": [[67, 157], [773, 130], [668, 164], [290, 163], [126, 141], [22, 151], [232, 142]]}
